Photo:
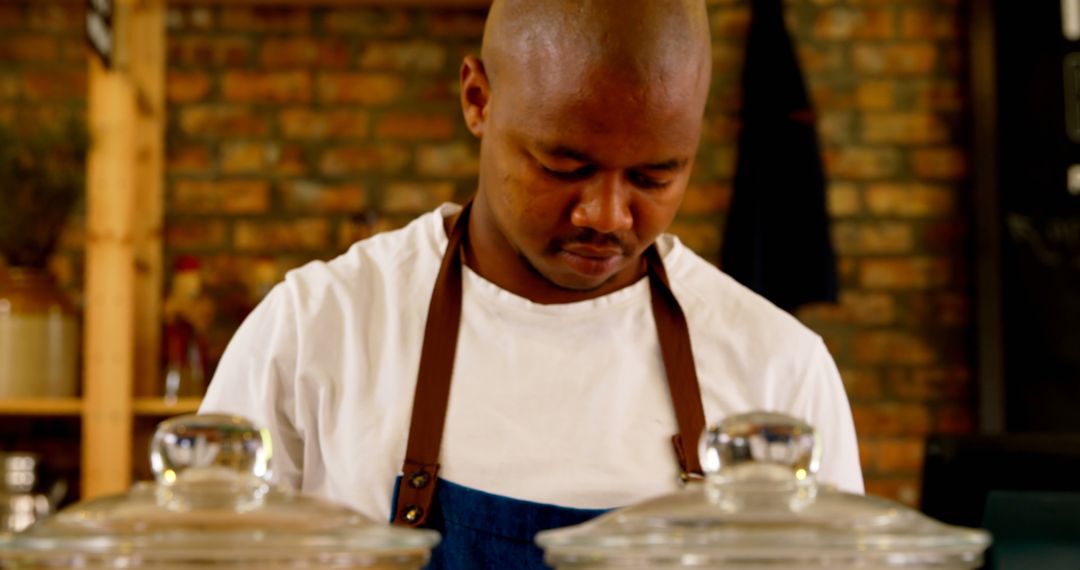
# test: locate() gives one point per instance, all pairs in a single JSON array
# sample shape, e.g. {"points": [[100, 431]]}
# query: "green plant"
{"points": [[42, 172]]}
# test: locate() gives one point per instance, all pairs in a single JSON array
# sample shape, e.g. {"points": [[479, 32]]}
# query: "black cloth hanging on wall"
{"points": [[777, 239]]}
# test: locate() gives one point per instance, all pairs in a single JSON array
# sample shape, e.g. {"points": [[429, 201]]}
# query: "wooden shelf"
{"points": [[159, 407], [41, 407]]}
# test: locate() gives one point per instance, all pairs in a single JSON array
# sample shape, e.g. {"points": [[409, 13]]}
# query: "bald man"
{"points": [[545, 352]]}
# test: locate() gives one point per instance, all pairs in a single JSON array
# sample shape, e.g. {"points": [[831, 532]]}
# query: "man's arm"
{"points": [[256, 379]]}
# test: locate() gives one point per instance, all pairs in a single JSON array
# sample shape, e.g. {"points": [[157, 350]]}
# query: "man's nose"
{"points": [[604, 205]]}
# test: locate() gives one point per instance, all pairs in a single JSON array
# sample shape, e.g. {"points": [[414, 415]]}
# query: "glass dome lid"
{"points": [[212, 504], [760, 506]]}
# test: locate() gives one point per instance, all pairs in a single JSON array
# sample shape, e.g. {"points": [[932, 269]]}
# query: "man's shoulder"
{"points": [[392, 253], [722, 307]]}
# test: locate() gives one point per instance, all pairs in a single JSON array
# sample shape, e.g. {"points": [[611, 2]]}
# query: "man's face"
{"points": [[578, 180]]}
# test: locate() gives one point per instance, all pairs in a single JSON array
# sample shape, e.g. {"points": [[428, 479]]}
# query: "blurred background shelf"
{"points": [[41, 407], [159, 407]]}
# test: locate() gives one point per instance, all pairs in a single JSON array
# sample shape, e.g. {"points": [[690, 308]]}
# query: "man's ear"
{"points": [[475, 94]]}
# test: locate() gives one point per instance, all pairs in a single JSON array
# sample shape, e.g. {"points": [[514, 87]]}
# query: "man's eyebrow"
{"points": [[559, 151]]}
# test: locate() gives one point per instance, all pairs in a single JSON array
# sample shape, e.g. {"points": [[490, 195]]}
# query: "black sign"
{"points": [[99, 30]]}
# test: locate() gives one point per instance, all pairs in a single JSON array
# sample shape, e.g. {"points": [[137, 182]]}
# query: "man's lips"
{"points": [[593, 261]]}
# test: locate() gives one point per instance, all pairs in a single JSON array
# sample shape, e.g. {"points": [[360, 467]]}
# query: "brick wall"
{"points": [[293, 132]]}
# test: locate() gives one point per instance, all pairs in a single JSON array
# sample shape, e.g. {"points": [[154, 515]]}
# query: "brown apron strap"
{"points": [[416, 490], [678, 357], [417, 487]]}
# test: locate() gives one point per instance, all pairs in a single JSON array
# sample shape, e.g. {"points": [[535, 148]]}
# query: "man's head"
{"points": [[589, 114]]}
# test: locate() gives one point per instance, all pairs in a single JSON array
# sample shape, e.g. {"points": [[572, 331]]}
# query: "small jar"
{"points": [[39, 337]]}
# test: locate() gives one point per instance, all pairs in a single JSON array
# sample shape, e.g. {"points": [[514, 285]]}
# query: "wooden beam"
{"points": [[119, 168]]}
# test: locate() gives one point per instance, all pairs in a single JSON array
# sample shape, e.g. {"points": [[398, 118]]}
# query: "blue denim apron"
{"points": [[479, 529], [484, 530]]}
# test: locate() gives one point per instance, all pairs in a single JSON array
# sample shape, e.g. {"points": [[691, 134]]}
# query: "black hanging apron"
{"points": [[480, 529]]}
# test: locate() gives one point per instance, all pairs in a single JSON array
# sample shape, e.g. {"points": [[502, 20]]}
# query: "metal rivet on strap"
{"points": [[412, 513], [419, 480]]}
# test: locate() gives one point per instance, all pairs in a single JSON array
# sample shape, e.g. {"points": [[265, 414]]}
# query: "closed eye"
{"points": [[646, 182], [570, 175]]}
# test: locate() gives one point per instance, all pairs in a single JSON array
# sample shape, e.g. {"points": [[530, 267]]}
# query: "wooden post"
{"points": [[123, 162]]}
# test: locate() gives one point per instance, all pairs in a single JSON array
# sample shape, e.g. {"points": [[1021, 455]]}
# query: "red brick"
{"points": [[306, 123], [832, 95], [303, 52], [310, 196], [11, 15], [823, 59], [891, 419], [73, 50], [266, 19], [901, 455], [892, 347], [931, 24], [903, 128], [932, 385], [288, 160], [244, 157], [853, 238], [903, 490], [55, 17], [910, 200], [369, 22], [414, 56], [204, 51], [187, 86], [730, 23], [457, 159], [363, 88], [361, 227], [190, 234], [344, 160], [415, 197], [183, 18], [262, 87], [940, 163], [222, 121], [861, 384], [876, 95], [861, 163], [28, 49], [54, 85], [868, 308], [844, 22], [900, 59], [939, 95], [299, 234], [458, 23], [188, 158], [9, 86], [956, 419], [220, 196], [416, 126], [844, 200], [944, 236], [906, 273], [836, 128], [700, 236], [703, 199], [939, 309]]}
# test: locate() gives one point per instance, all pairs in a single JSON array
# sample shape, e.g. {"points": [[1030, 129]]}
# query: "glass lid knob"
{"points": [[760, 446], [193, 446]]}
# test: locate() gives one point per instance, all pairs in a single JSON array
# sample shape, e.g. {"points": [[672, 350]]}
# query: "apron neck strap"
{"points": [[416, 491]]}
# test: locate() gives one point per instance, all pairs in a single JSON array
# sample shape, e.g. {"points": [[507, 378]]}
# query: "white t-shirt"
{"points": [[562, 404]]}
